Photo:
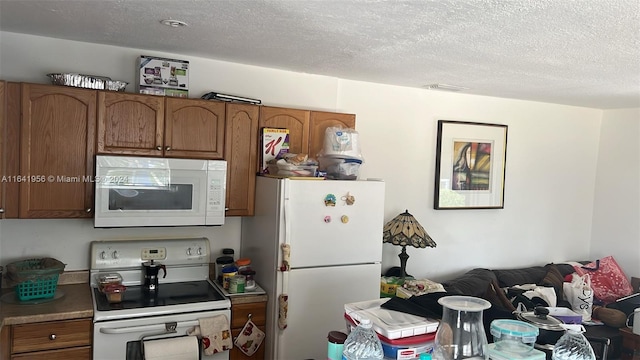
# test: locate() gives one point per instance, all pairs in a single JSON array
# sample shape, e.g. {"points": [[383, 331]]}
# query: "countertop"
{"points": [[76, 303]]}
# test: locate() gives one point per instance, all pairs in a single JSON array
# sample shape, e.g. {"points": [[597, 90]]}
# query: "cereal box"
{"points": [[275, 142]]}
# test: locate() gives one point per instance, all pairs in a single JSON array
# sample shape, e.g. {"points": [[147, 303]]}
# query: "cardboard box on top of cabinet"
{"points": [[162, 76]]}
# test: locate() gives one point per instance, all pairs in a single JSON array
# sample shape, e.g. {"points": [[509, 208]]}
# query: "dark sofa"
{"points": [[489, 284]]}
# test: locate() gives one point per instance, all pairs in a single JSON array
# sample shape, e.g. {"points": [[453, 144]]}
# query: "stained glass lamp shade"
{"points": [[405, 230]]}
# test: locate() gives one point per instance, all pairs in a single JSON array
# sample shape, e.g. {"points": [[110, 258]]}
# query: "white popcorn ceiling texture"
{"points": [[575, 52]]}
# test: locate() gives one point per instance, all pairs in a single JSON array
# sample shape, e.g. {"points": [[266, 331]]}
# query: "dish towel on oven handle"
{"points": [[215, 333], [177, 348]]}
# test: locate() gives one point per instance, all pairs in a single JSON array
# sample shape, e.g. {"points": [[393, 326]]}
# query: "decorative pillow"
{"points": [[608, 281], [554, 278]]}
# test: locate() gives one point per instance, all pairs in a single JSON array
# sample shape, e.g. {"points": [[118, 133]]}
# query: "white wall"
{"points": [[616, 214], [551, 159]]}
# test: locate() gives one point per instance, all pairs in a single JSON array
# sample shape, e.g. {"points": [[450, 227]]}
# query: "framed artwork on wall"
{"points": [[470, 165]]}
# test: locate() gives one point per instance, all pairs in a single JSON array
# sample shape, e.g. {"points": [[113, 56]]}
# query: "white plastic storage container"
{"points": [[389, 323], [495, 354]]}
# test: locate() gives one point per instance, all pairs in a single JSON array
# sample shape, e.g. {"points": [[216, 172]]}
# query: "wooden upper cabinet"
{"points": [[57, 151], [297, 121], [3, 136], [130, 124], [320, 121], [194, 128], [241, 142], [10, 152], [149, 125]]}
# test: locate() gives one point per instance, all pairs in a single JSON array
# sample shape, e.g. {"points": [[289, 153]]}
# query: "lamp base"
{"points": [[403, 263]]}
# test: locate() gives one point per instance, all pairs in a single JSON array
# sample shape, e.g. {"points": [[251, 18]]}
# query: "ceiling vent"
{"points": [[445, 87]]}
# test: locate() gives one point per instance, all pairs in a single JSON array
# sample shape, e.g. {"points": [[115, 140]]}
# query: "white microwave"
{"points": [[146, 191]]}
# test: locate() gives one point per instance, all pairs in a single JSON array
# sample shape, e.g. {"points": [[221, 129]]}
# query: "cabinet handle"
{"points": [[88, 210], [1, 211], [159, 148], [168, 148], [52, 337]]}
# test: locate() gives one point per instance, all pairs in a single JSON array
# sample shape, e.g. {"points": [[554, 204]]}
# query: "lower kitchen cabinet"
{"points": [[244, 307], [67, 339]]}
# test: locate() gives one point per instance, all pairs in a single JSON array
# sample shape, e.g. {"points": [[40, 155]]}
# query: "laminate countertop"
{"points": [[75, 303]]}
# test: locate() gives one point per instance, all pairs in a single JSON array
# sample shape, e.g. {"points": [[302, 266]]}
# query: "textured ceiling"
{"points": [[575, 52]]}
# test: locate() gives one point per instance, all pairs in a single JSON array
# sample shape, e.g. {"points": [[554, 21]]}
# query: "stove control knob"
{"points": [[115, 254], [199, 251], [103, 255], [189, 251]]}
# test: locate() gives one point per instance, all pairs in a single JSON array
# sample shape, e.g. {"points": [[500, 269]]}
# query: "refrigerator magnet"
{"points": [[349, 199], [330, 200], [327, 219], [344, 219]]}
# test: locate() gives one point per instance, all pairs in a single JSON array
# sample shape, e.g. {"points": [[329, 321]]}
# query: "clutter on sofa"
{"points": [[537, 286]]}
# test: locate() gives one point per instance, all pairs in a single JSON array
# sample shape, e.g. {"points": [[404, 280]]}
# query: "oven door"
{"points": [[137, 191], [121, 339]]}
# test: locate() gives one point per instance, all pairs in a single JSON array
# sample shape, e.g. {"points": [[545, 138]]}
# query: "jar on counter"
{"points": [[228, 252], [250, 282], [236, 284], [244, 268], [228, 272], [243, 264], [221, 262]]}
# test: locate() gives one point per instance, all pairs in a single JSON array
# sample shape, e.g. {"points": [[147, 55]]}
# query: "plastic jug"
{"points": [[461, 332]]}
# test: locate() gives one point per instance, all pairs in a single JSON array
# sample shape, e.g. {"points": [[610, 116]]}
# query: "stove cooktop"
{"points": [[135, 297]]}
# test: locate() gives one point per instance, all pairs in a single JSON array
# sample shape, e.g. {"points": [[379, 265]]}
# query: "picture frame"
{"points": [[470, 165]]}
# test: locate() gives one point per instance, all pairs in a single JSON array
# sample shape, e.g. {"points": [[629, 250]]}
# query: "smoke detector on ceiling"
{"points": [[445, 87], [173, 23]]}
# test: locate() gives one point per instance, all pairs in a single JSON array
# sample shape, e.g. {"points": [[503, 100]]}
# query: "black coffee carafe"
{"points": [[150, 273]]}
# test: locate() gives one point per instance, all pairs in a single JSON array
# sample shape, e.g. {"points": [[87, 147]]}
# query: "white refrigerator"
{"points": [[333, 232]]}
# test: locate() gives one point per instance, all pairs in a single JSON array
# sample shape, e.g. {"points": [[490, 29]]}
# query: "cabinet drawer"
{"points": [[53, 335], [240, 314], [81, 353]]}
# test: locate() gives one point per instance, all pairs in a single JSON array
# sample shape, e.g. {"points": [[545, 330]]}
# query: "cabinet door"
{"points": [[130, 124], [241, 142], [11, 150], [194, 128], [297, 121], [3, 154], [57, 151], [320, 121]]}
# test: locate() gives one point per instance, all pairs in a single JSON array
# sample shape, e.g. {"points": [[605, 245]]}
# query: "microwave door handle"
{"points": [[144, 328]]}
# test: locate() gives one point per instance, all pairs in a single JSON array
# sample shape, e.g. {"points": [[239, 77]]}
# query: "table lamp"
{"points": [[405, 230]]}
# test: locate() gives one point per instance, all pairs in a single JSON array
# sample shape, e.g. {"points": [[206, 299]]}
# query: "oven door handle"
{"points": [[144, 328]]}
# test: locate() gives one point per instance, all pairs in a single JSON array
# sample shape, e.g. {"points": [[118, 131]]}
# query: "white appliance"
{"points": [[333, 230], [182, 297], [146, 191]]}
